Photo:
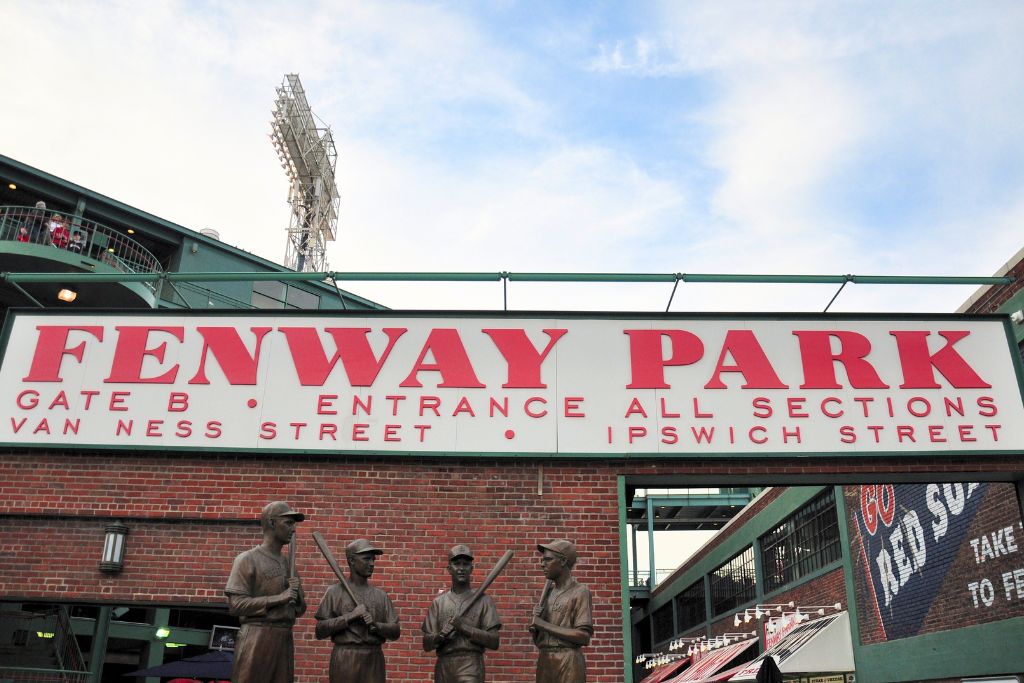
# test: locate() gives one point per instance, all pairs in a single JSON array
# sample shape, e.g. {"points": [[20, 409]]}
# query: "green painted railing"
{"points": [[77, 235]]}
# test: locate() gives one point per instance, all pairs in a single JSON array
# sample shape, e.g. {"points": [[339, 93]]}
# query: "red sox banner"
{"points": [[473, 384], [930, 557]]}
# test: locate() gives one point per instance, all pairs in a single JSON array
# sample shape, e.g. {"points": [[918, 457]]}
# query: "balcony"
{"points": [[41, 240]]}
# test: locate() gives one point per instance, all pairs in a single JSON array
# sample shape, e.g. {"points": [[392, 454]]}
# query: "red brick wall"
{"points": [[824, 590], [179, 552], [191, 513]]}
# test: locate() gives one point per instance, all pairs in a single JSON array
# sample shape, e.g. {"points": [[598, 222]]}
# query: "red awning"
{"points": [[663, 672], [713, 662]]}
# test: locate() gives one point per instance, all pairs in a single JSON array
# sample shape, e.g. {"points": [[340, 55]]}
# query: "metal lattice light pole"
{"points": [[306, 149]]}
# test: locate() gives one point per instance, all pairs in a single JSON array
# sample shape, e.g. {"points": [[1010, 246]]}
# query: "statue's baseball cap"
{"points": [[279, 508], [360, 546], [561, 546], [460, 551]]}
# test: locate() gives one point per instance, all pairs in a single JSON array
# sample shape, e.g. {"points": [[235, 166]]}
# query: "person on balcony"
{"points": [[38, 231], [60, 236], [77, 243]]}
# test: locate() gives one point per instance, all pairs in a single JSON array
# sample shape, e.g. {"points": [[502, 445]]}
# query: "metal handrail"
{"points": [[30, 225]]}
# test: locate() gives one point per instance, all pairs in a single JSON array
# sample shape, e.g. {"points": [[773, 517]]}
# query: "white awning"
{"points": [[823, 645]]}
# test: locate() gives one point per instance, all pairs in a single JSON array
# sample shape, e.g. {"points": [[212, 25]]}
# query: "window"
{"points": [[803, 544], [690, 608], [734, 583], [663, 623], [269, 294]]}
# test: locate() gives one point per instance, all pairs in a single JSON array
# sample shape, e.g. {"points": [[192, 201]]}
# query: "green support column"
{"points": [[851, 592], [627, 623], [653, 580], [98, 652], [636, 567], [759, 585], [156, 650], [707, 603]]}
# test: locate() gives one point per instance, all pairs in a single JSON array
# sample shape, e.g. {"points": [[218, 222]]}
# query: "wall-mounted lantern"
{"points": [[112, 560]]}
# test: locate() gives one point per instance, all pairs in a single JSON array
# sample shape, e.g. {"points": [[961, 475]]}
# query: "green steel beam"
{"points": [[694, 500], [504, 275]]}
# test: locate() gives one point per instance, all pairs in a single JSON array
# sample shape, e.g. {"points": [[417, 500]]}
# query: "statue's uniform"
{"points": [[460, 660], [264, 649], [357, 656], [560, 661]]}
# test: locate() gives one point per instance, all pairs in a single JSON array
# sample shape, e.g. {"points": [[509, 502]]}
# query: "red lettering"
{"points": [[52, 346], [669, 436], [646, 358], [430, 403], [351, 346], [917, 362], [268, 431], [987, 406], [131, 351], [572, 406], [117, 399], [762, 407], [357, 405], [635, 408], [848, 434], [450, 360], [521, 356], [463, 407], [177, 402], [528, 406], [391, 433], [32, 402], [238, 365], [825, 402], [636, 433], [819, 361], [325, 404], [749, 360]]}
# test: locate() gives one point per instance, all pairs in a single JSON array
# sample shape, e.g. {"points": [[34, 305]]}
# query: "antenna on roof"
{"points": [[305, 146]]}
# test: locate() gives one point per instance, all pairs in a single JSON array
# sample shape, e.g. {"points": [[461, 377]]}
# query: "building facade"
{"points": [[420, 431]]}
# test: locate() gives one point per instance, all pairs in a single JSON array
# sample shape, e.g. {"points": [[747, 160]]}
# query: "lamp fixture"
{"points": [[760, 611], [67, 295], [12, 186], [112, 559], [162, 632]]}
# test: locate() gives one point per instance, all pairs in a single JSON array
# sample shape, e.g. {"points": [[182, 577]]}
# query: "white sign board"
{"points": [[472, 384]]}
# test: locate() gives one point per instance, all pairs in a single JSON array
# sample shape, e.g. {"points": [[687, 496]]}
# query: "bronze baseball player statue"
{"points": [[265, 594], [461, 623], [562, 622], [357, 617]]}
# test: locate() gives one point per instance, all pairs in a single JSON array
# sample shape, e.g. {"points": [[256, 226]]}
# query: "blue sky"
{"points": [[739, 137]]}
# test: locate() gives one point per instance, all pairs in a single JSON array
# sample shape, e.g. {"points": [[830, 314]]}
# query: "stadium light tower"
{"points": [[306, 149]]}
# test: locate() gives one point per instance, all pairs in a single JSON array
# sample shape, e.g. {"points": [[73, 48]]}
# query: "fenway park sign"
{"points": [[470, 384]]}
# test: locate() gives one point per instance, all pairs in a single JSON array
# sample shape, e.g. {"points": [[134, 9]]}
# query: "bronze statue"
{"points": [[562, 621], [358, 617], [266, 596], [460, 625]]}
